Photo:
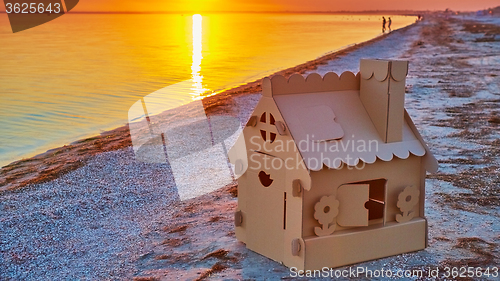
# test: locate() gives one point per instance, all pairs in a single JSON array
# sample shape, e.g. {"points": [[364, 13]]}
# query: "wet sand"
{"points": [[109, 217]]}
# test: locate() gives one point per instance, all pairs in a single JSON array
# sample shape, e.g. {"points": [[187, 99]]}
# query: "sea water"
{"points": [[78, 75]]}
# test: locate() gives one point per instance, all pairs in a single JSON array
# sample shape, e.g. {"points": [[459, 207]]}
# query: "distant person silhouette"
{"points": [[383, 24], [389, 24]]}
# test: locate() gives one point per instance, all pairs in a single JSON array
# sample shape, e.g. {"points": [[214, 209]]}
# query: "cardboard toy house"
{"points": [[335, 169]]}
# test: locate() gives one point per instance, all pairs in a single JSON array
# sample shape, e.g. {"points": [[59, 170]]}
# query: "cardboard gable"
{"points": [[267, 132]]}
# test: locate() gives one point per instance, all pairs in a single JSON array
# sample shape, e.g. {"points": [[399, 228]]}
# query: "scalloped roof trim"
{"points": [[415, 149], [314, 83]]}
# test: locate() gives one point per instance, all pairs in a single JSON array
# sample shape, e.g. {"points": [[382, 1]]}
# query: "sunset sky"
{"points": [[281, 5]]}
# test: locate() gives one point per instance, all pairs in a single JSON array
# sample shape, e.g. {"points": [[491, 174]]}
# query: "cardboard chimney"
{"points": [[382, 92], [336, 169]]}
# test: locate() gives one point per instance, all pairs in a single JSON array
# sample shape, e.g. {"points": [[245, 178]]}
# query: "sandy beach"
{"points": [[90, 211]]}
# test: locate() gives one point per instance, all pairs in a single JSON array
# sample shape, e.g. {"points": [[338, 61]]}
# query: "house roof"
{"points": [[350, 137]]}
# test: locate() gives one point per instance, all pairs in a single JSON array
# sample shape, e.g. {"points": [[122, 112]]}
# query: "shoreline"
{"points": [[58, 161]]}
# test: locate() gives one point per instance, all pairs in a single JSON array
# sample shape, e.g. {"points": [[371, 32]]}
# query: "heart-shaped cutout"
{"points": [[265, 179]]}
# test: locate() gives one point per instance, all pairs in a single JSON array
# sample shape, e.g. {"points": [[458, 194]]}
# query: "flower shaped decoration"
{"points": [[407, 200], [325, 211]]}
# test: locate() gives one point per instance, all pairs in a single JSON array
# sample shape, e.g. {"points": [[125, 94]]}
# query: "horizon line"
{"points": [[262, 12]]}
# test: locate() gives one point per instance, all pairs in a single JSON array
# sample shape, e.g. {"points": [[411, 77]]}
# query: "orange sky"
{"points": [[282, 5], [279, 5]]}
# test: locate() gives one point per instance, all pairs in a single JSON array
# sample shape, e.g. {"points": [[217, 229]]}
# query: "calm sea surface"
{"points": [[79, 74]]}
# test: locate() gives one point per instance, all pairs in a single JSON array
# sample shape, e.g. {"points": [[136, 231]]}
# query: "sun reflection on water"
{"points": [[197, 86]]}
